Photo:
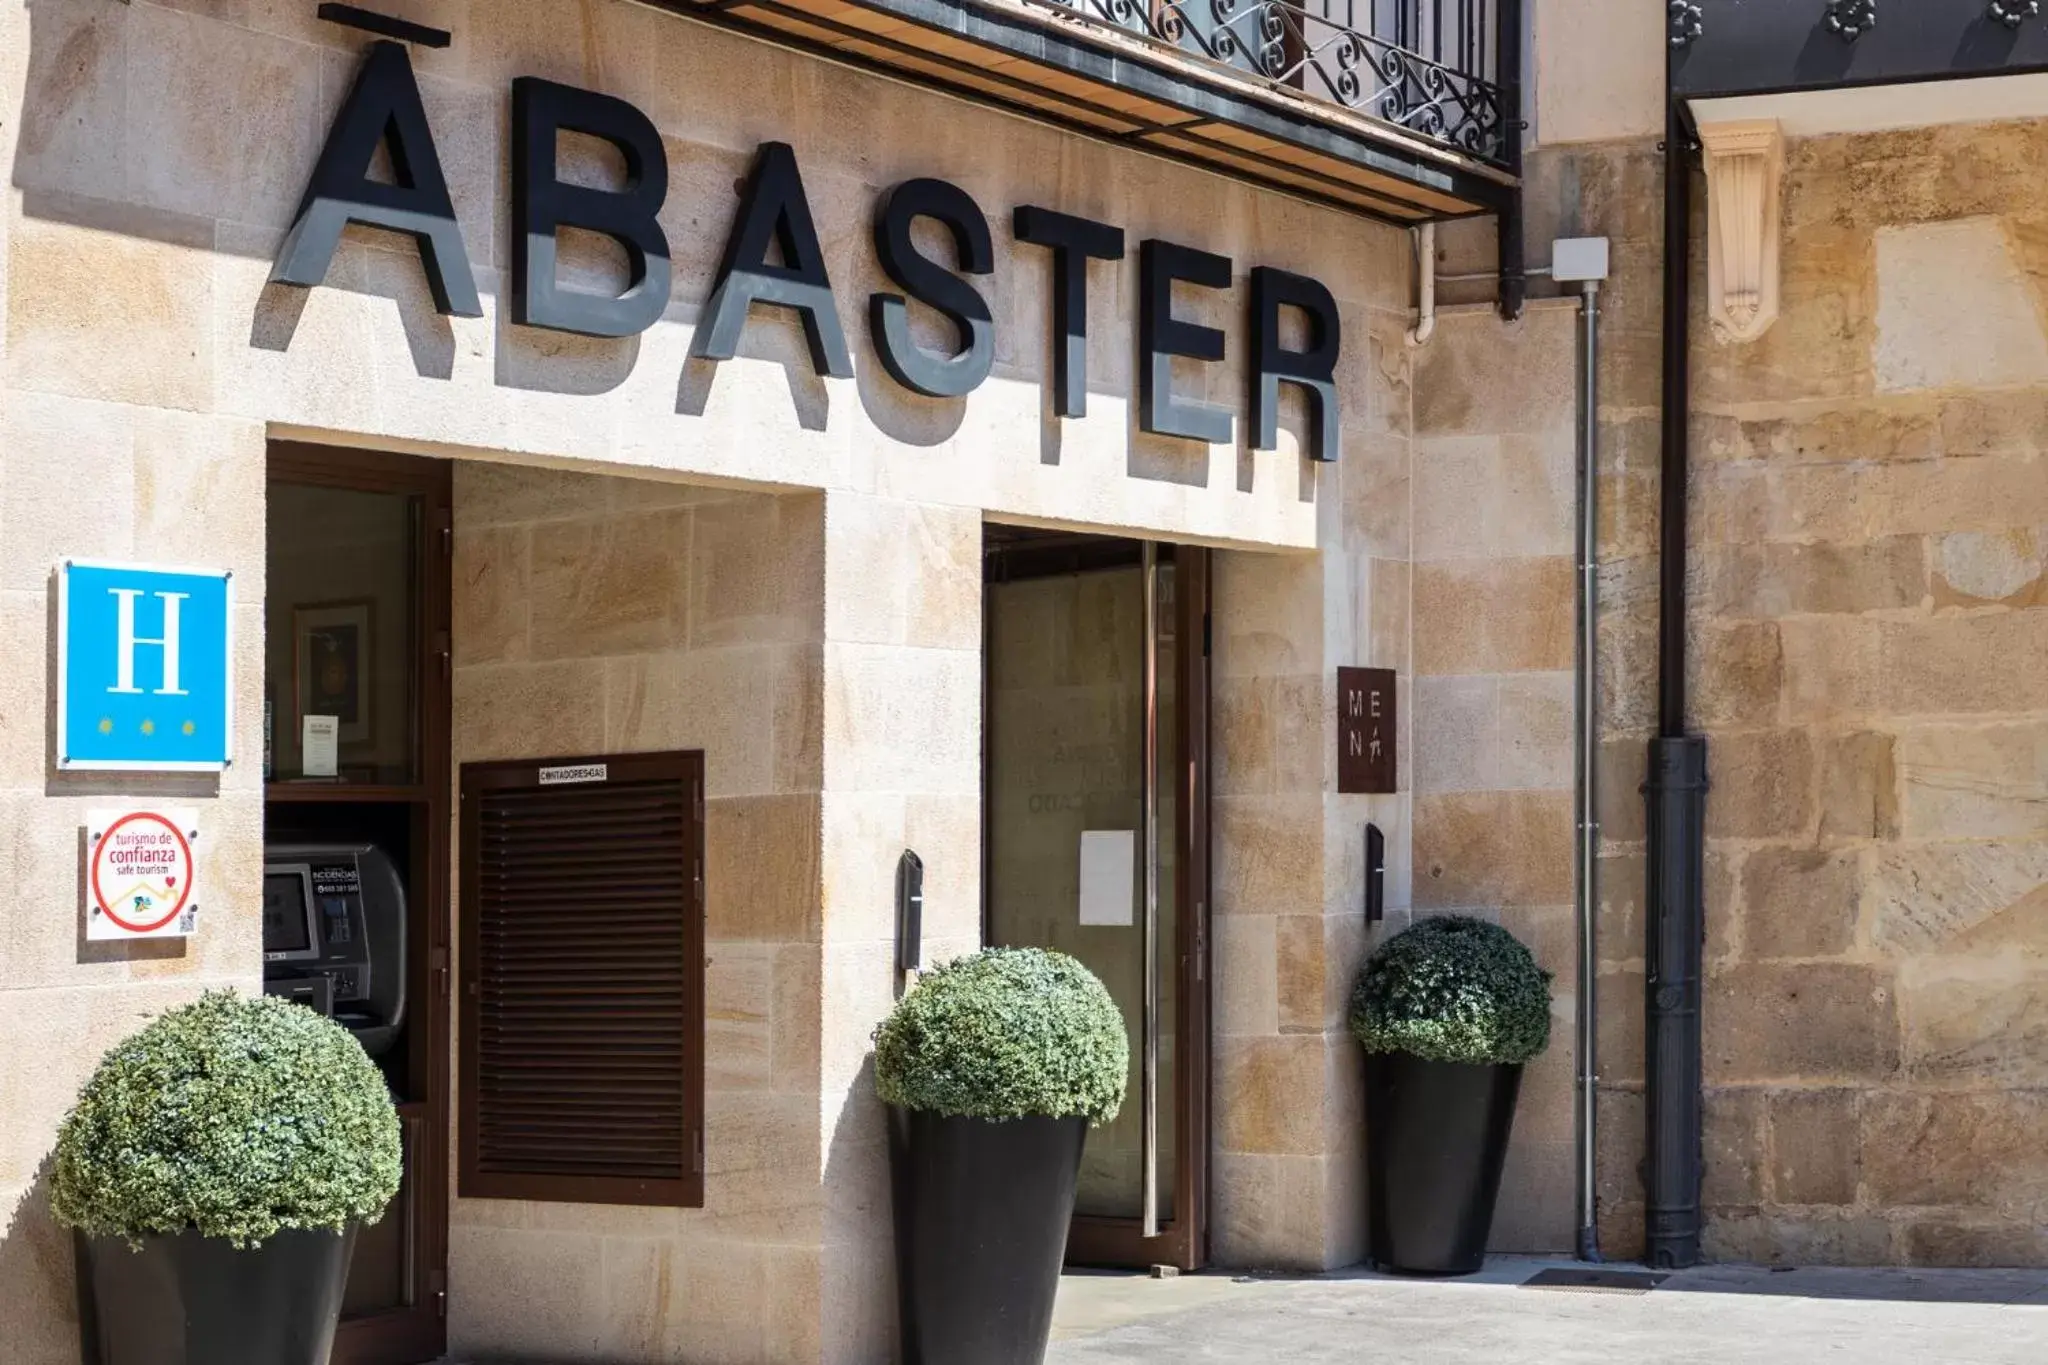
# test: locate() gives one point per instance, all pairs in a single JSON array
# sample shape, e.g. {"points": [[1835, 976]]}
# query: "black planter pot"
{"points": [[1436, 1138], [192, 1300], [982, 1210]]}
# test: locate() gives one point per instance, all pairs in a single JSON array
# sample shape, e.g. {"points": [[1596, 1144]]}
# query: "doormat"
{"points": [[1596, 1281]]}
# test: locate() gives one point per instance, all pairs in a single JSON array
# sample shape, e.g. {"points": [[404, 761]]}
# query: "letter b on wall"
{"points": [[542, 205]]}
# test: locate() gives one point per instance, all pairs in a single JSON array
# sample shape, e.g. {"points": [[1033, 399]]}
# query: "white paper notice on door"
{"points": [[1109, 866]]}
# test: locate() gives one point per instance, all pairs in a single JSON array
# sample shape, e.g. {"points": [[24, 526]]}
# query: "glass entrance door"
{"points": [[1097, 845]]}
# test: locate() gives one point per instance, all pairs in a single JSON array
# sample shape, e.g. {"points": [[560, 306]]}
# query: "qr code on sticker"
{"points": [[188, 921]]}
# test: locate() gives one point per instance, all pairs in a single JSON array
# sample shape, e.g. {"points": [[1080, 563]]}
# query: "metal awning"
{"points": [[1106, 68], [1726, 49]]}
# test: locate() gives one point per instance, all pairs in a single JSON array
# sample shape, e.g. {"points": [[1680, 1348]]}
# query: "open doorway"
{"points": [[356, 829], [1096, 843]]}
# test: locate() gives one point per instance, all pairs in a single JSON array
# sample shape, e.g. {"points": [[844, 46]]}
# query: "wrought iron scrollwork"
{"points": [[2013, 13], [1686, 22], [1311, 50], [1851, 19]]}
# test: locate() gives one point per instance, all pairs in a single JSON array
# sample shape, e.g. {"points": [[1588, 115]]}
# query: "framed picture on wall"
{"points": [[331, 668]]}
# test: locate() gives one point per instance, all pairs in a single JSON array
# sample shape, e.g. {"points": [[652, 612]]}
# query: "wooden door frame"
{"points": [[1183, 1239], [418, 1333]]}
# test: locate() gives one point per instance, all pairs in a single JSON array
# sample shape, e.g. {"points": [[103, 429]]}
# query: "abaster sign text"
{"points": [[384, 107]]}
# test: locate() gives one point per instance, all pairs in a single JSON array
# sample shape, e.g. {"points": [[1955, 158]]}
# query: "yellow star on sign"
{"points": [[106, 725], [190, 728], [149, 727]]}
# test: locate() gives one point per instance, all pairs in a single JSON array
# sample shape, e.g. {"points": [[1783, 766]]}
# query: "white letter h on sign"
{"points": [[126, 641]]}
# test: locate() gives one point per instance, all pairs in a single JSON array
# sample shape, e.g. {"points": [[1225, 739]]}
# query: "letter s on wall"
{"points": [[928, 282]]}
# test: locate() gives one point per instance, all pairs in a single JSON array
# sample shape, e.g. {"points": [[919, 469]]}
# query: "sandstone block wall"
{"points": [[1495, 498], [1866, 514], [1615, 190], [149, 207], [597, 615], [1871, 651], [900, 720], [144, 359], [824, 651], [115, 473], [1491, 414]]}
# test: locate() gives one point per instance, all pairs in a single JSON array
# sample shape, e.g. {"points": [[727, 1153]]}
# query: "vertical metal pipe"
{"points": [[1673, 463], [1149, 1030], [1588, 813], [1508, 75], [1676, 792]]}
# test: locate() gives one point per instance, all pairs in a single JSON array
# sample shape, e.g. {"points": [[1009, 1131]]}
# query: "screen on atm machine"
{"points": [[285, 921]]}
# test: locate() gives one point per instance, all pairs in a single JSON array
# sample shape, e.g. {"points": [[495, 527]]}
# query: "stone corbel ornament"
{"points": [[1745, 163]]}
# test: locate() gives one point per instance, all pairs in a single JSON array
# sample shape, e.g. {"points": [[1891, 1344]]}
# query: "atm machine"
{"points": [[334, 935]]}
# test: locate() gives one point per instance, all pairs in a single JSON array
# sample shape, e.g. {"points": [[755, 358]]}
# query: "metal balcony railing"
{"points": [[1432, 67], [1407, 111]]}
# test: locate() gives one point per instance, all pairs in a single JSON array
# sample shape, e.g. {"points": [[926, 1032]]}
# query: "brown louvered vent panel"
{"points": [[583, 979]]}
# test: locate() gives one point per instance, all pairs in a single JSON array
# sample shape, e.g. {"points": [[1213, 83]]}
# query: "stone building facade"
{"points": [[652, 551], [1870, 635], [783, 569], [1871, 872]]}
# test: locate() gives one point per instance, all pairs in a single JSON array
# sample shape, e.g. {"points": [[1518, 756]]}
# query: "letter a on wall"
{"points": [[383, 107], [145, 668], [774, 212]]}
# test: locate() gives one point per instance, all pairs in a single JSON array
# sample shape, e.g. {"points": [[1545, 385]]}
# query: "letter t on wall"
{"points": [[1074, 242]]}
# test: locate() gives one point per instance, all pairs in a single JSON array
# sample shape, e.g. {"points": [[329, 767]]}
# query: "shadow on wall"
{"points": [[783, 345], [116, 139], [857, 1299], [37, 1262], [37, 1280]]}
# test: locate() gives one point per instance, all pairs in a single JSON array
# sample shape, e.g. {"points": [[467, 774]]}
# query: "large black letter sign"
{"points": [[384, 105], [1315, 369], [773, 208], [542, 205], [1074, 242], [908, 364], [1161, 337]]}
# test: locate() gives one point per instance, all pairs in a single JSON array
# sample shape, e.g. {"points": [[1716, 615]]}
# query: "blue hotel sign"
{"points": [[145, 673]]}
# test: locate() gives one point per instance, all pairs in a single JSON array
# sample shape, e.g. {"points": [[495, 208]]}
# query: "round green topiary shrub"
{"points": [[1453, 989], [232, 1117], [1003, 1034]]}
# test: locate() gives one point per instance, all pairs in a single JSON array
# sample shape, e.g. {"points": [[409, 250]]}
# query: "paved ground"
{"points": [[1723, 1315]]}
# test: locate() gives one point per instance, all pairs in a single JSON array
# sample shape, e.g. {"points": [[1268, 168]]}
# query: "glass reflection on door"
{"points": [[1067, 702]]}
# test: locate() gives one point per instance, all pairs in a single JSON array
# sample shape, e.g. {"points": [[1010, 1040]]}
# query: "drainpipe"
{"points": [[1583, 261], [1676, 793], [1425, 285]]}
